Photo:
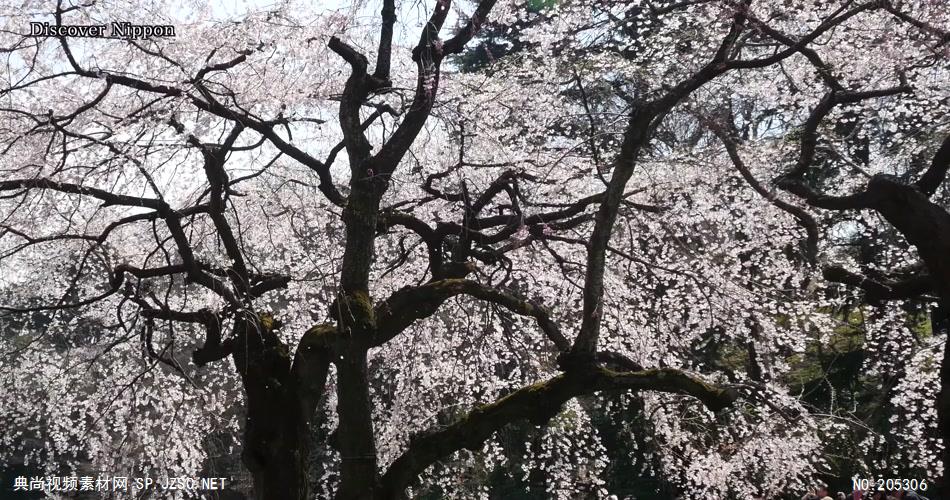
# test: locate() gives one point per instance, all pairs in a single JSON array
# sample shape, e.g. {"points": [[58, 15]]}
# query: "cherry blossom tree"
{"points": [[308, 228]]}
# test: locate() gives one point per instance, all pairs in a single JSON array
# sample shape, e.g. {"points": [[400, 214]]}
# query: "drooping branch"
{"points": [[205, 101], [411, 304], [804, 219], [537, 404]]}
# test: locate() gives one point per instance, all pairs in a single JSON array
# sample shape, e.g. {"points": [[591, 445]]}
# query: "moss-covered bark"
{"points": [[281, 398], [536, 403]]}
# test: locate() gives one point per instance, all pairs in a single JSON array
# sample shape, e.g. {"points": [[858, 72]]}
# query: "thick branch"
{"points": [[455, 44], [310, 367], [937, 172], [941, 35], [793, 180], [384, 53], [809, 135], [429, 236], [537, 403], [269, 283], [411, 304], [907, 288]]}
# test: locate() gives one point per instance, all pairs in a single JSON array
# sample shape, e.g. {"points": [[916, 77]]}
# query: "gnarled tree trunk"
{"points": [[281, 401]]}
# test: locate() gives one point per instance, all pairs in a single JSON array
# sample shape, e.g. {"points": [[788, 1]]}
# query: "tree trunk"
{"points": [[940, 320], [925, 225], [276, 433], [276, 452], [357, 443]]}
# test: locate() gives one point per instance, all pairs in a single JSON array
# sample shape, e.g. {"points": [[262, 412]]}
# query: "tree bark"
{"points": [[281, 399], [926, 226], [357, 442], [276, 451], [941, 324]]}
